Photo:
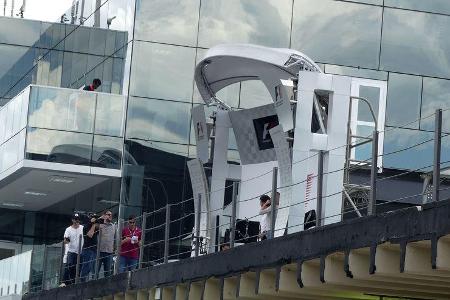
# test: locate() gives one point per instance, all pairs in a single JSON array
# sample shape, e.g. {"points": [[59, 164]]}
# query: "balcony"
{"points": [[57, 142]]}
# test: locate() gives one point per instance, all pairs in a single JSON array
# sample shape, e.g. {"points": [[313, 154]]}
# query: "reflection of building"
{"points": [[154, 71]]}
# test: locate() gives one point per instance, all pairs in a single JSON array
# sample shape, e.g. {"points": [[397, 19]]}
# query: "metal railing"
{"points": [[158, 240]]}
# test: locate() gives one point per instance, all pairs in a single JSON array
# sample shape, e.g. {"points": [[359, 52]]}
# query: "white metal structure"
{"points": [[312, 111]]}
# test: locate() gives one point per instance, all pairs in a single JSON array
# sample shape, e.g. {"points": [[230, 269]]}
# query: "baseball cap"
{"points": [[75, 216]]}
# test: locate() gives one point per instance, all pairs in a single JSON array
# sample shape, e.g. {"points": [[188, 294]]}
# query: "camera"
{"points": [[98, 220]]}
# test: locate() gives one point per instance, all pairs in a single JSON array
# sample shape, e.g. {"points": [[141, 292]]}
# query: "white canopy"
{"points": [[224, 65]]}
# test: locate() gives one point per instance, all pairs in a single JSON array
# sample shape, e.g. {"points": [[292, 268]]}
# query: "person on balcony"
{"points": [[131, 241], [266, 215], [106, 245], [89, 253], [72, 240], [96, 83]]}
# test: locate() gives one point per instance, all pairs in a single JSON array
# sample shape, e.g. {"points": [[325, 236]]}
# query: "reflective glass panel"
{"points": [[372, 94], [254, 93], [415, 43], [59, 146], [158, 120], [26, 32], [356, 72], [162, 71], [167, 21], [437, 6], [436, 94], [62, 109], [419, 157], [376, 2], [107, 152], [262, 22], [403, 100], [11, 56], [157, 177], [52, 35], [363, 152], [337, 32], [109, 115], [77, 39]]}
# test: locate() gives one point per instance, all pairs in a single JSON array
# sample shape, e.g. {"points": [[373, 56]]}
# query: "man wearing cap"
{"points": [[72, 240]]}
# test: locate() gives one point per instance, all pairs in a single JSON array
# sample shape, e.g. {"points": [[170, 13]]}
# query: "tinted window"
{"points": [[263, 22], [158, 120], [403, 100], [415, 43], [168, 21], [438, 6], [436, 94], [162, 71], [337, 32]]}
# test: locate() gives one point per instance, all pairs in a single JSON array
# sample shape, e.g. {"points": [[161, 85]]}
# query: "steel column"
{"points": [[273, 203], [371, 209], [197, 225], [319, 202], [437, 154], [167, 235]]}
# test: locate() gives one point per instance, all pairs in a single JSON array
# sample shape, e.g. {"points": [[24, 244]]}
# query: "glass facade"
{"points": [[149, 55], [61, 55]]}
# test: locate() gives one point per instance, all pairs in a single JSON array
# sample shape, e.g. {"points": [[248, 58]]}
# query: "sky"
{"points": [[44, 10]]}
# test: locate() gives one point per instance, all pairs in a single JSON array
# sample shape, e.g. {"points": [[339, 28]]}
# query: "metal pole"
{"points": [[118, 244], [371, 209], [77, 270], [273, 204], [97, 255], [216, 240], [319, 207], [141, 250], [437, 154], [61, 266], [233, 215], [167, 235], [44, 264], [197, 224]]}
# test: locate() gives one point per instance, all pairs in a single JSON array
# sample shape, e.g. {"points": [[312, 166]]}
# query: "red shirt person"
{"points": [[131, 241]]}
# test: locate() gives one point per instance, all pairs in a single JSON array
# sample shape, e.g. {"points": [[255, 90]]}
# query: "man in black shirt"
{"points": [[89, 253], [95, 85]]}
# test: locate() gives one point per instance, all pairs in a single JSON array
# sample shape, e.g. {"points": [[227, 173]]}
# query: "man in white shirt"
{"points": [[72, 241], [266, 216]]}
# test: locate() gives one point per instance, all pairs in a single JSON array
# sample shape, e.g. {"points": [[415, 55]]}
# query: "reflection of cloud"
{"points": [[415, 42], [158, 120], [162, 71], [400, 139], [265, 22], [337, 32], [62, 110], [169, 21], [436, 94]]}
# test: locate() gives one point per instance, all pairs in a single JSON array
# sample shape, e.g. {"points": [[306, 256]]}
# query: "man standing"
{"points": [[90, 232], [131, 240], [106, 245], [96, 83], [266, 215], [72, 240]]}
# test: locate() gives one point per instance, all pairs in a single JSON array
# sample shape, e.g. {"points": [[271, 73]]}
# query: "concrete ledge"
{"points": [[401, 227]]}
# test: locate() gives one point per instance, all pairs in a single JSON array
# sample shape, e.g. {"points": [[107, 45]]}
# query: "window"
{"points": [[262, 22], [403, 100], [337, 32], [415, 43], [362, 121], [162, 71]]}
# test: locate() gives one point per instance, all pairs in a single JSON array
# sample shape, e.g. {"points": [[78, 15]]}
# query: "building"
{"points": [[148, 56]]}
